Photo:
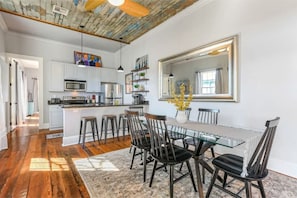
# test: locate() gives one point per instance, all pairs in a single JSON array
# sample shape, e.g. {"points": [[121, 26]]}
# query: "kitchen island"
{"points": [[72, 115]]}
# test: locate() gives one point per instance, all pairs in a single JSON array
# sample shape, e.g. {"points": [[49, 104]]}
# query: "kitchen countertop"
{"points": [[96, 105]]}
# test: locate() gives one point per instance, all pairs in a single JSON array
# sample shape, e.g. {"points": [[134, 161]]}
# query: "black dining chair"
{"points": [[139, 138], [163, 151], [232, 165]]}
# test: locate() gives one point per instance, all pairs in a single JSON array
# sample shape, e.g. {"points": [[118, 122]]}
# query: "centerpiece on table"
{"points": [[181, 103]]}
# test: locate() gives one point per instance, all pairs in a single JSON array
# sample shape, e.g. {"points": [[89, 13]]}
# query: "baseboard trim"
{"points": [[283, 167]]}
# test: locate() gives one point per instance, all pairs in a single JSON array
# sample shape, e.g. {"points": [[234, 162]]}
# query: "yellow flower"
{"points": [[180, 101]]}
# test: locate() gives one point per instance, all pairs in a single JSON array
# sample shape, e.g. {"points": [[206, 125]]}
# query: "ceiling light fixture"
{"points": [[116, 2], [120, 69], [171, 75], [81, 62]]}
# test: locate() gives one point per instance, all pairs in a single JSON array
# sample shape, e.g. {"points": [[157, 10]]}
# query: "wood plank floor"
{"points": [[34, 166]]}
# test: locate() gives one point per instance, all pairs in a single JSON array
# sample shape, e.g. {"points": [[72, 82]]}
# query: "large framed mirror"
{"points": [[210, 70]]}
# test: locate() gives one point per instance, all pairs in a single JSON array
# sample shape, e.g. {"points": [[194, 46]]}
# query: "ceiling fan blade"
{"points": [[134, 9], [92, 4]]}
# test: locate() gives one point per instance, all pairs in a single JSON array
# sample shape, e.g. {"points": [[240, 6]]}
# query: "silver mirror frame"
{"points": [[232, 95]]}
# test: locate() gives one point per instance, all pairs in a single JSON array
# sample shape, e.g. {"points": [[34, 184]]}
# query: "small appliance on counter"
{"points": [[55, 101], [138, 99]]}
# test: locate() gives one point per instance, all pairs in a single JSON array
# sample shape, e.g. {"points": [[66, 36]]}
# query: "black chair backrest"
{"points": [[258, 163], [188, 112], [208, 116], [137, 131], [137, 108], [160, 141]]}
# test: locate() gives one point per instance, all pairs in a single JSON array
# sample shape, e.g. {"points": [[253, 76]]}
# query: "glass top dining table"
{"points": [[242, 140]]}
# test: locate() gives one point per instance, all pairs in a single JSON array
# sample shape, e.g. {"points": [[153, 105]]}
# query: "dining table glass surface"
{"points": [[208, 137]]}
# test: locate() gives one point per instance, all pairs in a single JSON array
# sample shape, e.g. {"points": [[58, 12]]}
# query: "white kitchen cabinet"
{"points": [[56, 77], [73, 72], [55, 117], [108, 75], [93, 79]]}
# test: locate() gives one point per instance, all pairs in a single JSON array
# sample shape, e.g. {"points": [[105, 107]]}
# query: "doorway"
{"points": [[25, 93]]}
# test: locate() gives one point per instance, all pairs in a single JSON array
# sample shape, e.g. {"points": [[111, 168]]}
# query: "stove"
{"points": [[74, 100]]}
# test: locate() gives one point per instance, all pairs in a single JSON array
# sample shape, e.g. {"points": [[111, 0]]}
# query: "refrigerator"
{"points": [[112, 93]]}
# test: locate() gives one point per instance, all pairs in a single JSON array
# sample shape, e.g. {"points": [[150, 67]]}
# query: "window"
{"points": [[207, 82]]}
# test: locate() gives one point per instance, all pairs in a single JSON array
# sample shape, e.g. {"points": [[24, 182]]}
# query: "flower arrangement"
{"points": [[180, 101]]}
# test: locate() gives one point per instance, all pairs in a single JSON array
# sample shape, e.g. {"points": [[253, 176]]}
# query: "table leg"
{"points": [[198, 175]]}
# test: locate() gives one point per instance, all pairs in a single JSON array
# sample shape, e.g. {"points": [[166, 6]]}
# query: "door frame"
{"points": [[9, 57]]}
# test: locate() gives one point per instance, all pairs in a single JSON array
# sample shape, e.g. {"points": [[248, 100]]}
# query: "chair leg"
{"points": [[105, 129], [225, 180], [212, 152], [248, 189], [134, 151], [93, 129], [171, 176], [144, 164], [261, 189], [191, 175], [84, 133], [80, 128], [102, 124], [96, 126], [214, 177], [153, 173]]}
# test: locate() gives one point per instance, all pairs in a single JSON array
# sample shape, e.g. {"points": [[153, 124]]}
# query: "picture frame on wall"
{"points": [[129, 83], [141, 62], [88, 59]]}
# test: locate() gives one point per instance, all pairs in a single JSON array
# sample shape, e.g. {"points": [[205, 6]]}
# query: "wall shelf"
{"points": [[139, 80], [140, 69]]}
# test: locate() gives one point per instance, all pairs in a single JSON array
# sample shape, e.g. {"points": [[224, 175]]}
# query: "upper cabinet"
{"points": [[93, 79], [56, 76], [109, 75], [72, 71], [93, 75]]}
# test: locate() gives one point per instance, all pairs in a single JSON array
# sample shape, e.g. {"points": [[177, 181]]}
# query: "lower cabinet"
{"points": [[55, 117]]}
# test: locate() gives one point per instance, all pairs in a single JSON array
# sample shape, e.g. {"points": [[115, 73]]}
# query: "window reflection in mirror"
{"points": [[211, 70]]}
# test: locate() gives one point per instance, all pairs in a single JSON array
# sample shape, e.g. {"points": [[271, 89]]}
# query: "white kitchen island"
{"points": [[72, 115]]}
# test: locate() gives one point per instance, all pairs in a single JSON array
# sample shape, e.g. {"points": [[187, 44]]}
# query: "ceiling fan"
{"points": [[128, 6]]}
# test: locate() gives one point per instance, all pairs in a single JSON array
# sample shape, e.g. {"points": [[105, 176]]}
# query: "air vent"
{"points": [[60, 10]]}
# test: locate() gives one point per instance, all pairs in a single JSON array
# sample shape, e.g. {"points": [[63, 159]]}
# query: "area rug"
{"points": [[108, 175]]}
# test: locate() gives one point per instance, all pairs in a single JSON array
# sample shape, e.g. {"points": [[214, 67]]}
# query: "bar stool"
{"points": [[83, 128], [104, 124], [123, 120]]}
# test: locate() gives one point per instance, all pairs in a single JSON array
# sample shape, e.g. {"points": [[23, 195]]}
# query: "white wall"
{"points": [[3, 91], [49, 51], [268, 64]]}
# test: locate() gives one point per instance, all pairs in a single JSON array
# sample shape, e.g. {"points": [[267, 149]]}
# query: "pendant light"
{"points": [[171, 75], [81, 62], [120, 68]]}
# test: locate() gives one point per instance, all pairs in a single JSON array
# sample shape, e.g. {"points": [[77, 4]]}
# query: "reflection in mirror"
{"points": [[211, 70]]}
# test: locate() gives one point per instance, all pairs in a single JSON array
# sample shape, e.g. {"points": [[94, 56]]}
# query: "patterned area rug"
{"points": [[108, 175]]}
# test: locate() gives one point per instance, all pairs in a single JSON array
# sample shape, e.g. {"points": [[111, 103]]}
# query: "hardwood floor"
{"points": [[34, 166]]}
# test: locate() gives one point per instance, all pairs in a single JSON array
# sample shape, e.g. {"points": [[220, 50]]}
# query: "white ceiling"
{"points": [[46, 31]]}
